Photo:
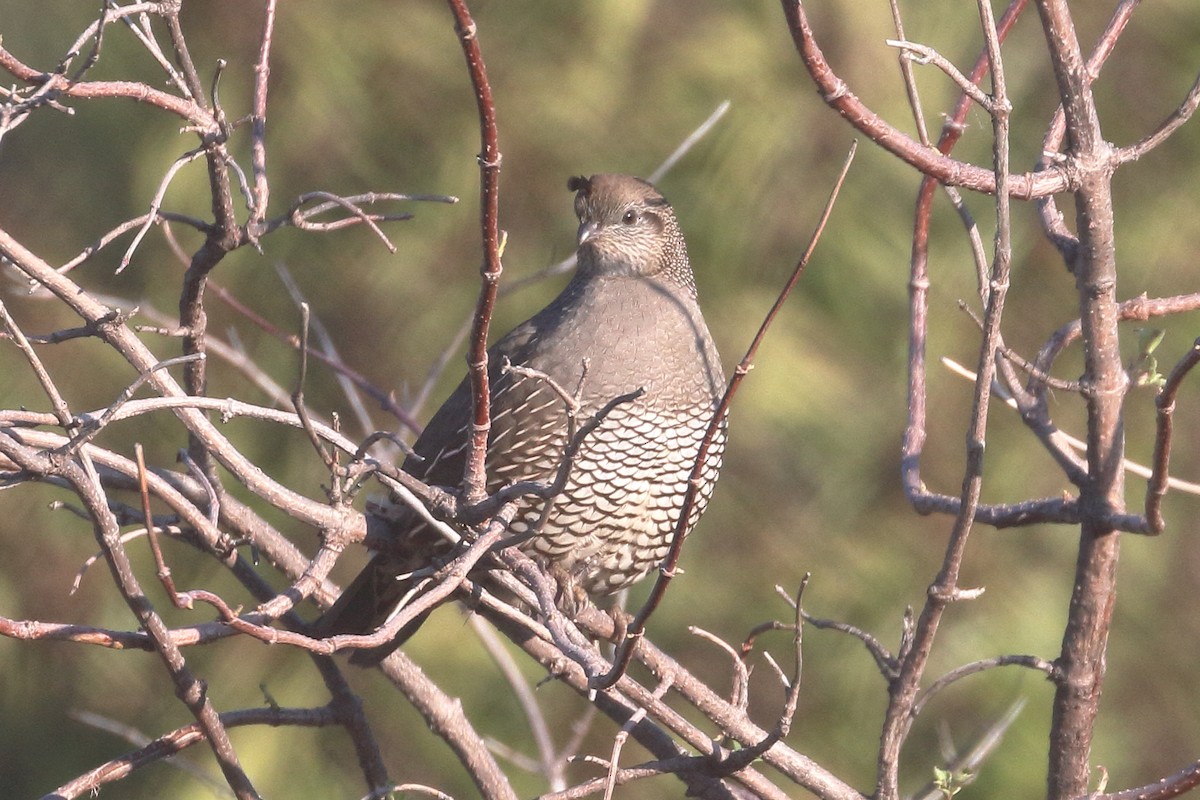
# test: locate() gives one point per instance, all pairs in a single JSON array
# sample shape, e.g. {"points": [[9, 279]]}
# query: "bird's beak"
{"points": [[587, 230]]}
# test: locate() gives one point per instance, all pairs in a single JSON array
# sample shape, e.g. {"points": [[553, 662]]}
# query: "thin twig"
{"points": [[667, 569], [906, 72], [258, 133], [1078, 444], [923, 54], [328, 348], [614, 758], [93, 425], [551, 763], [156, 204], [1172, 123], [1165, 405], [958, 673], [162, 570], [739, 694], [689, 142], [180, 739], [945, 589], [964, 768], [61, 410]]}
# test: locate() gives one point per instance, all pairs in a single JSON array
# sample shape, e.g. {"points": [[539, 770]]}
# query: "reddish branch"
{"points": [[951, 172], [918, 287], [59, 85], [489, 188]]}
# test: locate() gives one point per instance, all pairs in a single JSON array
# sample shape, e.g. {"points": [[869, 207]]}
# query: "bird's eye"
{"points": [[630, 217]]}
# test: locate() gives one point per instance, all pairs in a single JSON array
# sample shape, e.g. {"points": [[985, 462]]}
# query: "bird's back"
{"points": [[628, 322], [613, 520]]}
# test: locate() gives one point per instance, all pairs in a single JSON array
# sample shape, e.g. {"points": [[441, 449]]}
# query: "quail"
{"points": [[628, 320]]}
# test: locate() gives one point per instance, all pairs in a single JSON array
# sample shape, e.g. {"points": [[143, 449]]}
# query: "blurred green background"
{"points": [[373, 95]]}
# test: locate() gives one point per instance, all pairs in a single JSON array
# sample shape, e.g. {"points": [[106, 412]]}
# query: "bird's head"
{"points": [[627, 228]]}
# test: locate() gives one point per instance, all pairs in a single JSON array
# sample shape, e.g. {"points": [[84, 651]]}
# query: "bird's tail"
{"points": [[366, 605]]}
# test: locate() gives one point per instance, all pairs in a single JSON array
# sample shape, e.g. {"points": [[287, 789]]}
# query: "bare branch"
{"points": [[945, 589], [446, 718], [1175, 785], [975, 667], [923, 54], [1171, 124], [1165, 404], [61, 411], [836, 93], [551, 762], [178, 740], [489, 175], [258, 135]]}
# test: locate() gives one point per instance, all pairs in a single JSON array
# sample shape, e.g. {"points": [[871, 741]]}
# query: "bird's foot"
{"points": [[569, 595]]}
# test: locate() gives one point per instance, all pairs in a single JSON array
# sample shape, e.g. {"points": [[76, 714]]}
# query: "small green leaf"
{"points": [[1143, 369]]}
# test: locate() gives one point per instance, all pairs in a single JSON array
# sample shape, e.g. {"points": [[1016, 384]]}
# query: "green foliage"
{"points": [[950, 783], [1144, 369]]}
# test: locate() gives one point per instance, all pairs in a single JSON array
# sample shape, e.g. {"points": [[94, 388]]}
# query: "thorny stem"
{"points": [[489, 184]]}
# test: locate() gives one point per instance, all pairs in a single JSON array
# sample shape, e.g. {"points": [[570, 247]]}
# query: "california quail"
{"points": [[628, 320]]}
